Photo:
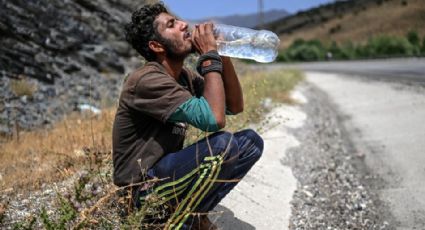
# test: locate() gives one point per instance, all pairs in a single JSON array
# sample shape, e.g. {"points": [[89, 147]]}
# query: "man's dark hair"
{"points": [[142, 29]]}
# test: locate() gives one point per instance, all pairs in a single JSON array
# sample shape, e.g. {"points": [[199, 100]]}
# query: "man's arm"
{"points": [[232, 87], [204, 41]]}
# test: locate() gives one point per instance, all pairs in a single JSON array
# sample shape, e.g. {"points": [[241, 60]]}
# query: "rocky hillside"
{"points": [[57, 55], [352, 20]]}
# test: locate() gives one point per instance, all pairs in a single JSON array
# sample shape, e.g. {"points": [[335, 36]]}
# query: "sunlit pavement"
{"points": [[386, 122], [262, 199]]}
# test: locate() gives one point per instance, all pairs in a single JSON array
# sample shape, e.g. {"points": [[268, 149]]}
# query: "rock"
{"points": [[73, 41], [122, 48], [88, 107]]}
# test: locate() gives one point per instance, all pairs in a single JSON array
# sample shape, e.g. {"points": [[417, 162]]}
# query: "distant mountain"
{"points": [[247, 20]]}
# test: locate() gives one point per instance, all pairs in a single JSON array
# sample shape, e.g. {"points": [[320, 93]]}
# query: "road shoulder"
{"points": [[262, 199], [385, 121], [333, 190]]}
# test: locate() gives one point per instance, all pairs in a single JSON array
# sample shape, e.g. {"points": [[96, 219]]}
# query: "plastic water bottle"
{"points": [[239, 42]]}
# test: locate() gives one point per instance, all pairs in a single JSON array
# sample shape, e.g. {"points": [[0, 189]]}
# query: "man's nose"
{"points": [[184, 25]]}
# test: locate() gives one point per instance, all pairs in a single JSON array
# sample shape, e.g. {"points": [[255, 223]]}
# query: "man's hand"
{"points": [[203, 38]]}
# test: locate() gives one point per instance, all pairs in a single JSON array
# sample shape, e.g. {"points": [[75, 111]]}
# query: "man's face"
{"points": [[175, 35]]}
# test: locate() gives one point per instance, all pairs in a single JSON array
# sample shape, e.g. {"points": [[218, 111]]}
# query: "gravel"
{"points": [[21, 207], [333, 190]]}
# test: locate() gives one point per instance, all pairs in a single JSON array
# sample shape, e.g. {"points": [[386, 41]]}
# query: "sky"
{"points": [[198, 9]]}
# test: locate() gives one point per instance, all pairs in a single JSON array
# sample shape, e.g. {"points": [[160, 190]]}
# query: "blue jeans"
{"points": [[238, 152]]}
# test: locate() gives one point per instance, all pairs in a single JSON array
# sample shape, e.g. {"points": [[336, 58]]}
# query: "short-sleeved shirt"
{"points": [[141, 134]]}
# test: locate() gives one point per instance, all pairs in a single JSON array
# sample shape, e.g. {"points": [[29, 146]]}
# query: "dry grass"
{"points": [[391, 18], [51, 155], [22, 87]]}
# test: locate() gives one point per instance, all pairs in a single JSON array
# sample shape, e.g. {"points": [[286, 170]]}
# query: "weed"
{"points": [[25, 225], [79, 188], [66, 215], [22, 87]]}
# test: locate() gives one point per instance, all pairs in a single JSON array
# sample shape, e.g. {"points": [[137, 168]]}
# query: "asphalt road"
{"points": [[383, 105], [409, 70]]}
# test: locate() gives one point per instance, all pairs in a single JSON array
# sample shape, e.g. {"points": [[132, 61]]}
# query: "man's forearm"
{"points": [[214, 94], [204, 42], [232, 87]]}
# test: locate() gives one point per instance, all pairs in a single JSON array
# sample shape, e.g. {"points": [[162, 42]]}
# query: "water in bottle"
{"points": [[239, 42]]}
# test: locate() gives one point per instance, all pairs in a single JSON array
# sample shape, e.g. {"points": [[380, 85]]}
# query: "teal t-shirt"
{"points": [[195, 111]]}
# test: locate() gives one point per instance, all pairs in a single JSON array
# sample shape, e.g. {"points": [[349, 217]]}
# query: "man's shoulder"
{"points": [[149, 71]]}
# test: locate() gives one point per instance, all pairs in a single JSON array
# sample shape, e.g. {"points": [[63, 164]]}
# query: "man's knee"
{"points": [[255, 138], [223, 142]]}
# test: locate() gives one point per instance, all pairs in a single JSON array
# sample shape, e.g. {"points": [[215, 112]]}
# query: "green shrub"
{"points": [[305, 53], [298, 42], [388, 46], [25, 225], [66, 214], [281, 56], [380, 46], [301, 50], [363, 51], [413, 38], [415, 41], [316, 43], [344, 52], [348, 51]]}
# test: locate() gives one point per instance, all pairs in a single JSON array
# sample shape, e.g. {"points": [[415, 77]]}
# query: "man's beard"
{"points": [[171, 49]]}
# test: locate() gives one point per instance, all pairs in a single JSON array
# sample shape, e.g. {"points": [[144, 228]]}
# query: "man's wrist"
{"points": [[209, 62], [210, 49]]}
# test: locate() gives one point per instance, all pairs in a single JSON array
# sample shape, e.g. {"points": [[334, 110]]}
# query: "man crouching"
{"points": [[157, 103]]}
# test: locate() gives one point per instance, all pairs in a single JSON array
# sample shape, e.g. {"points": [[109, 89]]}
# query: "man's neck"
{"points": [[173, 67]]}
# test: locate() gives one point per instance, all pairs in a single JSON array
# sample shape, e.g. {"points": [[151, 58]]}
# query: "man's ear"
{"points": [[156, 46]]}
